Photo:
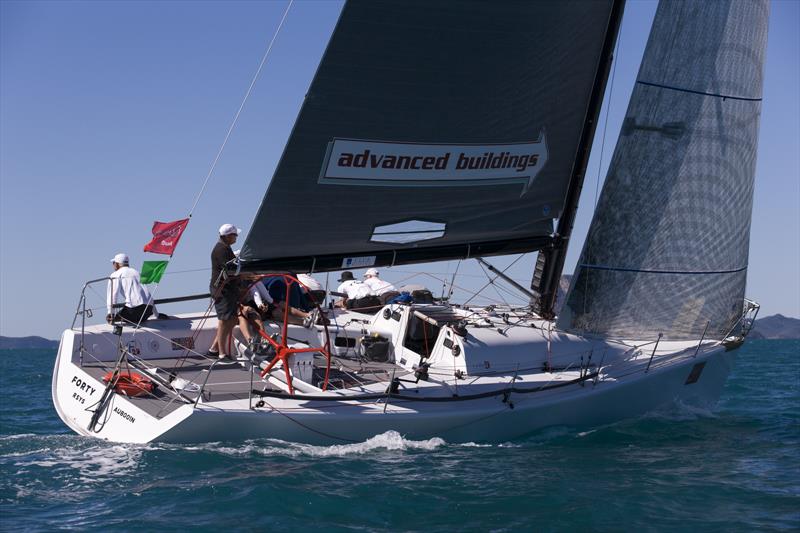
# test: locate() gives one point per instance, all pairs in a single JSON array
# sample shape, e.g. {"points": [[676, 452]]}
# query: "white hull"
{"points": [[488, 420], [623, 388]]}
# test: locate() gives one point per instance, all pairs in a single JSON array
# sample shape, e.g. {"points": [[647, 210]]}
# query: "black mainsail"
{"points": [[437, 130], [667, 249]]}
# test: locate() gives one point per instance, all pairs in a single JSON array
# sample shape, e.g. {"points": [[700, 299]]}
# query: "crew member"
{"points": [[313, 287], [256, 306], [356, 295], [125, 287], [224, 289], [384, 290], [298, 301]]}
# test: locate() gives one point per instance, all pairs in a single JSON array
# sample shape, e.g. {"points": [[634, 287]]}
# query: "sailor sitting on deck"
{"points": [[124, 287], [357, 295], [256, 303], [384, 290], [299, 303]]}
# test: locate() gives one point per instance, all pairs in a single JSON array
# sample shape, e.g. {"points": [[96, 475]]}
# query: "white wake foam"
{"points": [[389, 441], [93, 463]]}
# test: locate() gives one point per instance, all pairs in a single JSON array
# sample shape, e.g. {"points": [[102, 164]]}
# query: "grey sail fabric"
{"points": [[667, 249], [434, 130]]}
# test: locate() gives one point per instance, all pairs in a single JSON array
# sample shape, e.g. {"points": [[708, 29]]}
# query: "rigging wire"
{"points": [[453, 280], [602, 152], [241, 106], [225, 142], [491, 281], [493, 284], [605, 125]]}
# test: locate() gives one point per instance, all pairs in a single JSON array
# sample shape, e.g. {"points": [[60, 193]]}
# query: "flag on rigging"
{"points": [[152, 271], [166, 236]]}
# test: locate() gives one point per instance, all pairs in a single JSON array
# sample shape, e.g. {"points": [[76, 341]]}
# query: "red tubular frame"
{"points": [[282, 349]]}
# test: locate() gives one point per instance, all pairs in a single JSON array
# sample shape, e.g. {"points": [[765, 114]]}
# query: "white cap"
{"points": [[371, 272], [310, 283], [121, 259], [228, 229]]}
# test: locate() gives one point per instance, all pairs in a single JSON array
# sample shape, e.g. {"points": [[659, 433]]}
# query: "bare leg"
{"points": [[224, 331], [244, 325], [296, 316], [215, 345], [297, 313], [247, 318], [260, 325]]}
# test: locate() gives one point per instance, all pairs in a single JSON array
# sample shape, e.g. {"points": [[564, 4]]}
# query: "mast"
{"points": [[550, 263]]}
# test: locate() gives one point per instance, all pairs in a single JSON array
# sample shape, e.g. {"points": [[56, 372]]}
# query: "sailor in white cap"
{"points": [[126, 298], [313, 287], [224, 289], [382, 289]]}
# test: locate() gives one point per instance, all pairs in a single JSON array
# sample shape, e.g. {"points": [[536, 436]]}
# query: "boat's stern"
{"points": [[79, 394]]}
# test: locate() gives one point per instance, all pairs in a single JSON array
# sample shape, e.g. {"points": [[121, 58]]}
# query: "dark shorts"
{"points": [[227, 303]]}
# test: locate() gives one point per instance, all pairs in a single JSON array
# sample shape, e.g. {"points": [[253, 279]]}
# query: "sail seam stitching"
{"points": [[723, 96]]}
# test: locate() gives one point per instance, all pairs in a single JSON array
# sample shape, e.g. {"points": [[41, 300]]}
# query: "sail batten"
{"points": [[459, 116], [667, 249], [682, 89]]}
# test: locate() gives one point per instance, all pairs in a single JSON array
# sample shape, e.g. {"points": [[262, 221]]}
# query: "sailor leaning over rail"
{"points": [[356, 295], [380, 288], [125, 289]]}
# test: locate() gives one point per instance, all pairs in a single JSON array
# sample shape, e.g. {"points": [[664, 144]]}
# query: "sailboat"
{"points": [[439, 131]]}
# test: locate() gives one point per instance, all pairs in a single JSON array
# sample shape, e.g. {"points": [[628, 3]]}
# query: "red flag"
{"points": [[166, 236]]}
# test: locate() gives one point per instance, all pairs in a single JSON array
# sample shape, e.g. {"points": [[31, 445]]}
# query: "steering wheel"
{"points": [[281, 345]]}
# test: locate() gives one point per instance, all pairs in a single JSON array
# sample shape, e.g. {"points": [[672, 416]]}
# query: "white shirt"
{"points": [[354, 289], [260, 295], [378, 286], [124, 287]]}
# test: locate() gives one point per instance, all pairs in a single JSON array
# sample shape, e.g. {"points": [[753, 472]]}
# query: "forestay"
{"points": [[668, 246], [434, 130]]}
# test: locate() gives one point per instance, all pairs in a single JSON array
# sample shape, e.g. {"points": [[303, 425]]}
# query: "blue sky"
{"points": [[112, 112]]}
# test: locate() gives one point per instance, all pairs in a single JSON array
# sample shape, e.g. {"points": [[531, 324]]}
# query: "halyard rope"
{"points": [[241, 106], [225, 142]]}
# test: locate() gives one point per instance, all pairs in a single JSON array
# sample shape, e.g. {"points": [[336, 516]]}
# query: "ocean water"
{"points": [[736, 468]]}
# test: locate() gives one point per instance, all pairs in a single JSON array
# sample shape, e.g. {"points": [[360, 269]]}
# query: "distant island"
{"points": [[26, 343], [776, 327]]}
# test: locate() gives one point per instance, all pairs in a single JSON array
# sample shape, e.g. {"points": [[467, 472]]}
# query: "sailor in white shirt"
{"points": [[382, 289], [260, 296], [124, 287], [352, 289]]}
